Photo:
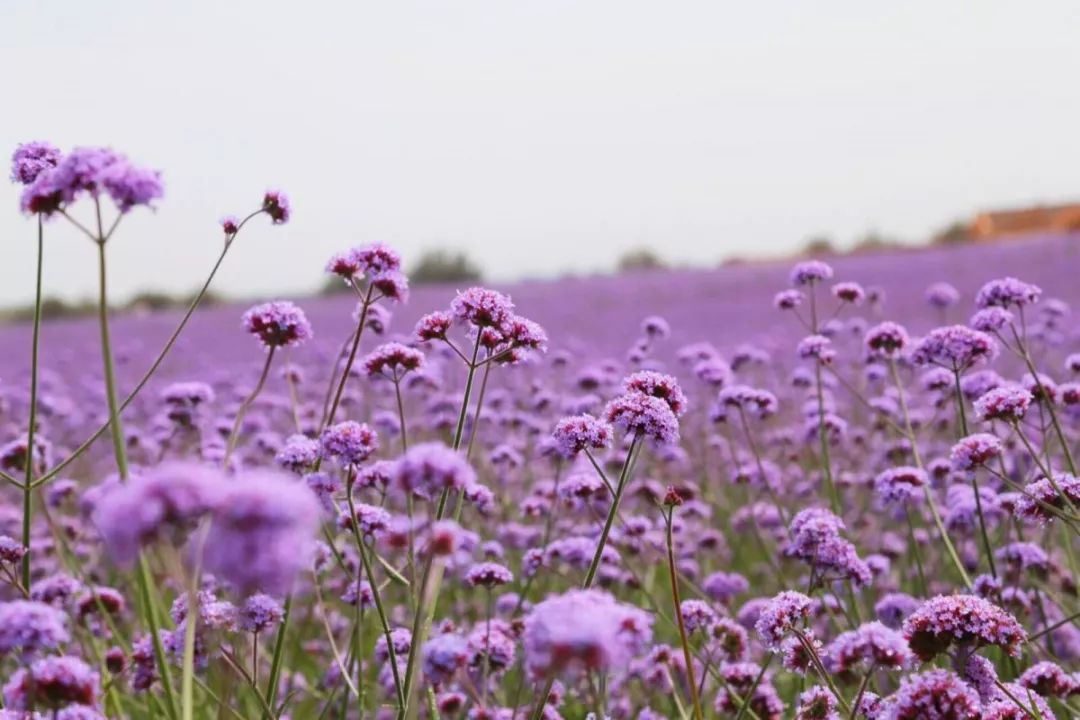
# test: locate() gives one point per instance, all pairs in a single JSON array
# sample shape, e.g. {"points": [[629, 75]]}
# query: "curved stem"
{"points": [[244, 406], [974, 478], [77, 453], [687, 655], [349, 363]]}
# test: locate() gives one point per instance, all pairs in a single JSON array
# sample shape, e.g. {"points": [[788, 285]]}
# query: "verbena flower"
{"points": [[277, 206], [278, 324], [31, 160], [29, 628], [933, 695], [955, 347], [432, 468], [1008, 403], [1007, 292], [651, 417], [583, 630], [262, 532], [942, 295], [810, 272], [964, 620], [349, 441], [164, 502], [782, 614], [53, 682]]}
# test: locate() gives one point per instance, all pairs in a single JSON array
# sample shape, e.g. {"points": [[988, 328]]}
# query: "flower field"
{"points": [[766, 491]]}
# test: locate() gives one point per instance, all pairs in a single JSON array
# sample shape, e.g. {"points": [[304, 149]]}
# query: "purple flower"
{"points": [[393, 360], [942, 295], [583, 630], [482, 308], [262, 532], [488, 575], [963, 619], [371, 520], [230, 224], [1049, 680], [816, 347], [433, 326], [258, 613], [934, 695], [651, 417], [849, 292], [893, 608], [655, 327], [955, 347], [991, 319], [53, 682], [872, 643], [165, 502], [696, 614], [974, 451], [658, 385], [11, 551], [432, 468], [276, 205], [130, 186], [810, 272], [1007, 292], [442, 656], [299, 453], [817, 703], [28, 627], [723, 586], [278, 324], [31, 160], [350, 442], [1044, 492], [581, 432], [782, 614], [788, 299], [886, 340], [1008, 403], [900, 484]]}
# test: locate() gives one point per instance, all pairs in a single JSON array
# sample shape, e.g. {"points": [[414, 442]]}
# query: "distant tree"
{"points": [[152, 300], [639, 260], [443, 266], [954, 233], [873, 241], [819, 245]]}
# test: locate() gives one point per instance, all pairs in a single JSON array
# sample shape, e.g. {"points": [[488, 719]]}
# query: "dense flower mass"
{"points": [[667, 501], [961, 619]]}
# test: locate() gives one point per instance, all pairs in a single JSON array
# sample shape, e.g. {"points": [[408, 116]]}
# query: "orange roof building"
{"points": [[1022, 221]]}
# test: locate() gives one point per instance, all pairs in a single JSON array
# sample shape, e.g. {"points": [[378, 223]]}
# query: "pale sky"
{"points": [[541, 136]]}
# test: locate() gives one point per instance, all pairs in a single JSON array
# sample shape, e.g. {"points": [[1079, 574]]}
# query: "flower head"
{"points": [[956, 347], [31, 160], [810, 272], [276, 204], [646, 415], [583, 630], [581, 432], [1007, 292], [262, 533], [961, 619], [278, 324], [350, 442]]}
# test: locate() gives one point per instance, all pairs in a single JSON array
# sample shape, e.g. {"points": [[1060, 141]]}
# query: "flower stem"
{"points": [[234, 435], [687, 654], [77, 453], [28, 478]]}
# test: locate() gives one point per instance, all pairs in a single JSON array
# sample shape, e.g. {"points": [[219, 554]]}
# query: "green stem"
{"points": [[234, 436], [988, 549], [687, 655], [927, 491], [77, 453], [28, 478]]}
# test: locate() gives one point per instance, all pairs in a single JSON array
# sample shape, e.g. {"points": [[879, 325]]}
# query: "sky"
{"points": [[542, 137]]}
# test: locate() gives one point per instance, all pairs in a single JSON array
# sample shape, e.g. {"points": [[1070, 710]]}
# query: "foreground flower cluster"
{"points": [[457, 520]]}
